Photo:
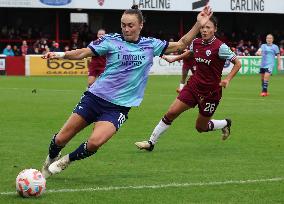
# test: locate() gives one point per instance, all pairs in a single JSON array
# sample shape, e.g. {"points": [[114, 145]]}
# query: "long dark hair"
{"points": [[135, 11]]}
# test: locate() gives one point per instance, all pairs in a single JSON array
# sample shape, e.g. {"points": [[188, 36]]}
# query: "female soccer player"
{"points": [[188, 64], [204, 88], [97, 64], [268, 52], [121, 86]]}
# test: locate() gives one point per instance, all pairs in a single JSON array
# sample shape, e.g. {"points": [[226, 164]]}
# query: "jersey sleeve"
{"points": [[226, 53], [100, 46], [159, 46], [277, 51]]}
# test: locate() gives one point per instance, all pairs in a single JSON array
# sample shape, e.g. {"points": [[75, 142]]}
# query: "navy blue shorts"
{"points": [[265, 70], [94, 109]]}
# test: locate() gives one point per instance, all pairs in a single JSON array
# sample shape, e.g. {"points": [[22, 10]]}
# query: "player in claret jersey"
{"points": [[204, 88], [97, 64]]}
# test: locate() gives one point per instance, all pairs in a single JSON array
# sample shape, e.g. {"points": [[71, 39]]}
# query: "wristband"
{"points": [[59, 55]]}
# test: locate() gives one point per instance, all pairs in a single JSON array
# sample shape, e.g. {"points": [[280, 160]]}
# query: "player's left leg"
{"points": [[205, 124], [102, 132], [174, 111], [266, 78]]}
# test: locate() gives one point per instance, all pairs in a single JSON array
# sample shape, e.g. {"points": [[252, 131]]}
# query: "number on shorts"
{"points": [[210, 107]]}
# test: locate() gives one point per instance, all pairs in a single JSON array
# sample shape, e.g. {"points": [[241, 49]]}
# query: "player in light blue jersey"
{"points": [[268, 52], [107, 102]]}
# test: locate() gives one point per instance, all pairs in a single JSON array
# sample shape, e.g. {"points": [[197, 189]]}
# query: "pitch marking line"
{"points": [[170, 185]]}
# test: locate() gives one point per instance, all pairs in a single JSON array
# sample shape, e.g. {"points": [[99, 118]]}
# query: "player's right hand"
{"points": [[49, 55], [168, 59]]}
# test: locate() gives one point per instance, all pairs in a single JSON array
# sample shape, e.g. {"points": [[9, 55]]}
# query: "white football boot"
{"points": [[226, 131], [145, 145], [58, 166], [47, 163]]}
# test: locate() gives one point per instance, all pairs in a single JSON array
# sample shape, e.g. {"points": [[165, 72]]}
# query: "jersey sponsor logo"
{"points": [[202, 60], [55, 2], [136, 60], [208, 53]]}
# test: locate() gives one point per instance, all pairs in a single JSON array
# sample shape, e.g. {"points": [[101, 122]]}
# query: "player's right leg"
{"points": [[174, 111], [102, 132], [74, 124]]}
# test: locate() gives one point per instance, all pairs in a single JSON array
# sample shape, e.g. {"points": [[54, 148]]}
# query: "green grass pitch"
{"points": [[185, 166]]}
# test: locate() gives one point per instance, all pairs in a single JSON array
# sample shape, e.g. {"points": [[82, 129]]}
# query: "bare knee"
{"points": [[200, 129]]}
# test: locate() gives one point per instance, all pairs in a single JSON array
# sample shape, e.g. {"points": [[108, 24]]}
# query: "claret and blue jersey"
{"points": [[127, 68]]}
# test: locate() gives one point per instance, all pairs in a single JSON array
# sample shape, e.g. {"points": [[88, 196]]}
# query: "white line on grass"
{"points": [[170, 185]]}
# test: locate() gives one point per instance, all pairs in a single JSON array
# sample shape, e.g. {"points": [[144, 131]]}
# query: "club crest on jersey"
{"points": [[101, 2], [208, 53]]}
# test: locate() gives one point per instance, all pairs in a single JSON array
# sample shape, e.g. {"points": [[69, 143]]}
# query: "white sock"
{"points": [[181, 86], [158, 131], [219, 124]]}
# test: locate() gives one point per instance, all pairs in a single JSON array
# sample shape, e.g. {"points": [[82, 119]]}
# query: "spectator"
{"points": [[16, 50], [55, 47], [75, 44], [66, 48], [24, 48], [34, 51], [8, 51]]}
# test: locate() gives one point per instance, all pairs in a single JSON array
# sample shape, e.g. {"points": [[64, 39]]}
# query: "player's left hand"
{"points": [[224, 83], [204, 16]]}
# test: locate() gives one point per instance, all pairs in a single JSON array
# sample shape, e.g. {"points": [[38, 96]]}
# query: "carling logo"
{"points": [[55, 2], [101, 2]]}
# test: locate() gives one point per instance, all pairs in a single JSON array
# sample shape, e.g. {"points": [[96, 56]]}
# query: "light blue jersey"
{"points": [[268, 53], [127, 67]]}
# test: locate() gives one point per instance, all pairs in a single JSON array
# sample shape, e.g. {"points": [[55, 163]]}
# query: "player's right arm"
{"points": [[77, 54], [170, 59], [258, 53]]}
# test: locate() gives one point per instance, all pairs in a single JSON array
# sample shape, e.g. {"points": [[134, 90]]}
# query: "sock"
{"points": [[262, 83], [81, 153], [163, 125], [265, 86], [54, 149], [181, 86], [216, 124]]}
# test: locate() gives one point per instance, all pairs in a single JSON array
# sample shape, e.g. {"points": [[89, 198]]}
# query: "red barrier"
{"points": [[15, 66]]}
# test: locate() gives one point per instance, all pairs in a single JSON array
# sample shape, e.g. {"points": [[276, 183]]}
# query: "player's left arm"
{"points": [[202, 18], [237, 65], [279, 61], [226, 54]]}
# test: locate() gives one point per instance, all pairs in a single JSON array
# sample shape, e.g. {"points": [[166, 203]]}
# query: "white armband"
{"points": [[59, 55]]}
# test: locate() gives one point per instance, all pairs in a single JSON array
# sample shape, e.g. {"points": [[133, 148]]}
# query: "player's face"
{"points": [[269, 39], [130, 27], [207, 31], [101, 33]]}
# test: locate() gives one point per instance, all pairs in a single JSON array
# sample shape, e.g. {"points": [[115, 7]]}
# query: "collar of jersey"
{"points": [[209, 42], [135, 42]]}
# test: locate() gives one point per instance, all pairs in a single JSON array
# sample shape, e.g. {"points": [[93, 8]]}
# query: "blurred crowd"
{"points": [[33, 41]]}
